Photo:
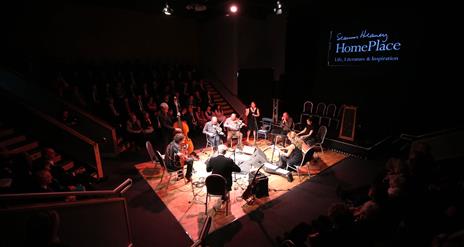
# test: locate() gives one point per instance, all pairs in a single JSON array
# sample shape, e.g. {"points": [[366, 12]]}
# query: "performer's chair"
{"points": [[178, 173], [265, 128], [216, 185]]}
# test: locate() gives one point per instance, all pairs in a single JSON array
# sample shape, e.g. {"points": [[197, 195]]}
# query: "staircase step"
{"points": [[6, 132], [12, 139], [57, 158], [22, 147], [66, 164], [35, 153]]}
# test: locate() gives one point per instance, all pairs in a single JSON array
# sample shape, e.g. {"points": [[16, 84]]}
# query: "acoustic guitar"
{"points": [[249, 190]]}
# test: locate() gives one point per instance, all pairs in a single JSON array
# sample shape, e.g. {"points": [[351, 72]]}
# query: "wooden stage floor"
{"points": [[186, 201]]}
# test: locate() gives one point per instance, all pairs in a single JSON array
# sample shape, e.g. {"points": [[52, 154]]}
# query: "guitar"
{"points": [[249, 190]]}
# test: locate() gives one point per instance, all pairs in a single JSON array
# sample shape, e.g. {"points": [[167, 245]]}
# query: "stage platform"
{"points": [[186, 200]]}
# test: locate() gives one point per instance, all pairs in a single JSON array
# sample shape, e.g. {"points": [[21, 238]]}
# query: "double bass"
{"points": [[187, 145]]}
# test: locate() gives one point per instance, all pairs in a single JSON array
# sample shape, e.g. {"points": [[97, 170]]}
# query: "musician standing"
{"points": [[167, 128], [213, 132], [174, 155], [252, 113], [233, 125], [223, 166]]}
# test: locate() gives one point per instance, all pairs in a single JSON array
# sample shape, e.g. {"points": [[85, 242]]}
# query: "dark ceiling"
{"points": [[251, 8]]}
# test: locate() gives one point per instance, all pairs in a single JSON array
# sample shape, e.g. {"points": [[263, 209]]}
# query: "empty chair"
{"points": [[208, 142], [329, 114], [265, 128], [151, 152], [308, 107], [216, 185], [320, 109], [321, 133]]}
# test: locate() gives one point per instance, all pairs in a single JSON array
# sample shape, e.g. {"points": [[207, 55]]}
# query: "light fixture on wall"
{"points": [[196, 6], [167, 10], [233, 9], [278, 8]]}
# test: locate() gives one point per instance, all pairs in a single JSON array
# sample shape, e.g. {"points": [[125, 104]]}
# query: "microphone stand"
{"points": [[235, 174], [273, 148]]}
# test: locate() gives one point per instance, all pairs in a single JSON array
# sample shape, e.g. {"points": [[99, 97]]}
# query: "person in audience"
{"points": [[192, 102], [113, 114], [174, 156], [145, 92], [209, 100], [77, 97], [147, 125], [44, 181], [61, 85], [135, 130], [119, 91], [209, 113], [128, 111], [139, 105], [191, 119], [94, 95], [151, 105], [68, 119], [219, 113], [223, 166], [200, 116], [198, 100]]}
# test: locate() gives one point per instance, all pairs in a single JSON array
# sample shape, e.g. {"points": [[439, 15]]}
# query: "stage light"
{"points": [[233, 8], [278, 8], [167, 10]]}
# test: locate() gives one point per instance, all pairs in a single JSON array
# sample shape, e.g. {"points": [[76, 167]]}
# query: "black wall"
{"points": [[390, 97]]}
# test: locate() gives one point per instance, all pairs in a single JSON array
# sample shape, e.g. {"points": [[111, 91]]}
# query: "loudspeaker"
{"points": [[256, 160], [261, 187]]}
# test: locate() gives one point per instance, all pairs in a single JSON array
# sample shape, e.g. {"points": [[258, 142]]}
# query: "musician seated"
{"points": [[308, 134], [213, 131], [175, 155], [292, 154], [233, 125], [223, 166], [286, 125]]}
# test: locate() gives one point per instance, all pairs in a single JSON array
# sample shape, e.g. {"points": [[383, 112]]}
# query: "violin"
{"points": [[219, 130], [240, 124]]}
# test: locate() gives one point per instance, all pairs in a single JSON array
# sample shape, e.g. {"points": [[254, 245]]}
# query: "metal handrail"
{"points": [[410, 137], [118, 191], [361, 147]]}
